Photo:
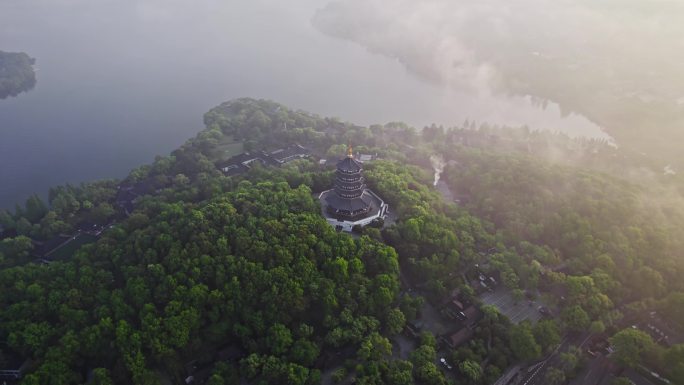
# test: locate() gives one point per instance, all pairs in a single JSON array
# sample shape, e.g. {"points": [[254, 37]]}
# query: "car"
{"points": [[484, 285], [444, 362]]}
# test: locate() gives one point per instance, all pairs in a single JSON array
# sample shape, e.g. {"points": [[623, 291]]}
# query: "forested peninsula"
{"points": [[16, 73], [533, 247]]}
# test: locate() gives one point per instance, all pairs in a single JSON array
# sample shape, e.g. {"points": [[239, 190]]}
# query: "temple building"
{"points": [[350, 203]]}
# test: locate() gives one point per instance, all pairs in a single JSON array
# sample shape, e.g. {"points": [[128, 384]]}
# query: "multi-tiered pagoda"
{"points": [[350, 203]]}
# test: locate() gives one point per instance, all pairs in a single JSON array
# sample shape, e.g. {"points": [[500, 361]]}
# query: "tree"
{"points": [[24, 227], [428, 339], [429, 374], [250, 366], [35, 208], [6, 219], [422, 355], [522, 342], [673, 307], [510, 279], [491, 312], [630, 345], [569, 361], [338, 375], [674, 363], [181, 180], [304, 352], [470, 369], [467, 291], [336, 151], [597, 327], [575, 318], [546, 334], [649, 281], [554, 376], [216, 379], [518, 295], [51, 225], [395, 321], [101, 377], [101, 213], [279, 339], [17, 248], [374, 347], [410, 305], [400, 372]]}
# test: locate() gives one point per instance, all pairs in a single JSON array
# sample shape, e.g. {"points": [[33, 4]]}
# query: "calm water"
{"points": [[120, 81]]}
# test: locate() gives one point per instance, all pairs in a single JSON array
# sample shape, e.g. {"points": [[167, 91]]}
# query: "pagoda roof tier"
{"points": [[346, 213], [348, 177], [352, 205], [344, 183], [349, 165]]}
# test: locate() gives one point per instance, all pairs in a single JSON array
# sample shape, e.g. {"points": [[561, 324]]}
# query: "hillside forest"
{"points": [[239, 279]]}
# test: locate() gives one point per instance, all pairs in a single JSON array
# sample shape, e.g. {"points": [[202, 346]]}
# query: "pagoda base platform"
{"points": [[378, 210]]}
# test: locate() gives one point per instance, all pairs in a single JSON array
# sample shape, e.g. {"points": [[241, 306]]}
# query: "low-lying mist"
{"points": [[616, 62]]}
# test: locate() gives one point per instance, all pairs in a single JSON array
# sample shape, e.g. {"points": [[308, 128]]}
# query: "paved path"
{"points": [[536, 373], [402, 346], [444, 189], [594, 371], [435, 322]]}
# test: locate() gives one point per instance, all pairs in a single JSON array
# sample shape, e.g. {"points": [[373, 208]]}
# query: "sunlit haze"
{"points": [[324, 192]]}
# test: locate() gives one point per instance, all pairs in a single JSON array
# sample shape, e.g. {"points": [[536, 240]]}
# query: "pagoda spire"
{"points": [[350, 151]]}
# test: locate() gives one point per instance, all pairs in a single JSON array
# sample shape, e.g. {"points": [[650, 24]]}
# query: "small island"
{"points": [[16, 73]]}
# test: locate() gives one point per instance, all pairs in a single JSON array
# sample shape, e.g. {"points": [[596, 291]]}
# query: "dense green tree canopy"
{"points": [[546, 334], [523, 343], [16, 73], [247, 267], [201, 263], [630, 346]]}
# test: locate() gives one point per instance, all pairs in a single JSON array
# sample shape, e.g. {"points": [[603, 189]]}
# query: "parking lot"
{"points": [[502, 299]]}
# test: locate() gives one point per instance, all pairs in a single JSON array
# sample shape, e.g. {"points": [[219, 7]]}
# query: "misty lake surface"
{"points": [[122, 81]]}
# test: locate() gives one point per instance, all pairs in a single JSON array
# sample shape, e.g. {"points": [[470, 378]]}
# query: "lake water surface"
{"points": [[120, 81]]}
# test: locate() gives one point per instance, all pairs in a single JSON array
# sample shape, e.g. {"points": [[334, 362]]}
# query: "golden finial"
{"points": [[350, 151]]}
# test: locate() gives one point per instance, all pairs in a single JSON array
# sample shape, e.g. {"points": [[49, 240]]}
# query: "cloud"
{"points": [[416, 35], [476, 44]]}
